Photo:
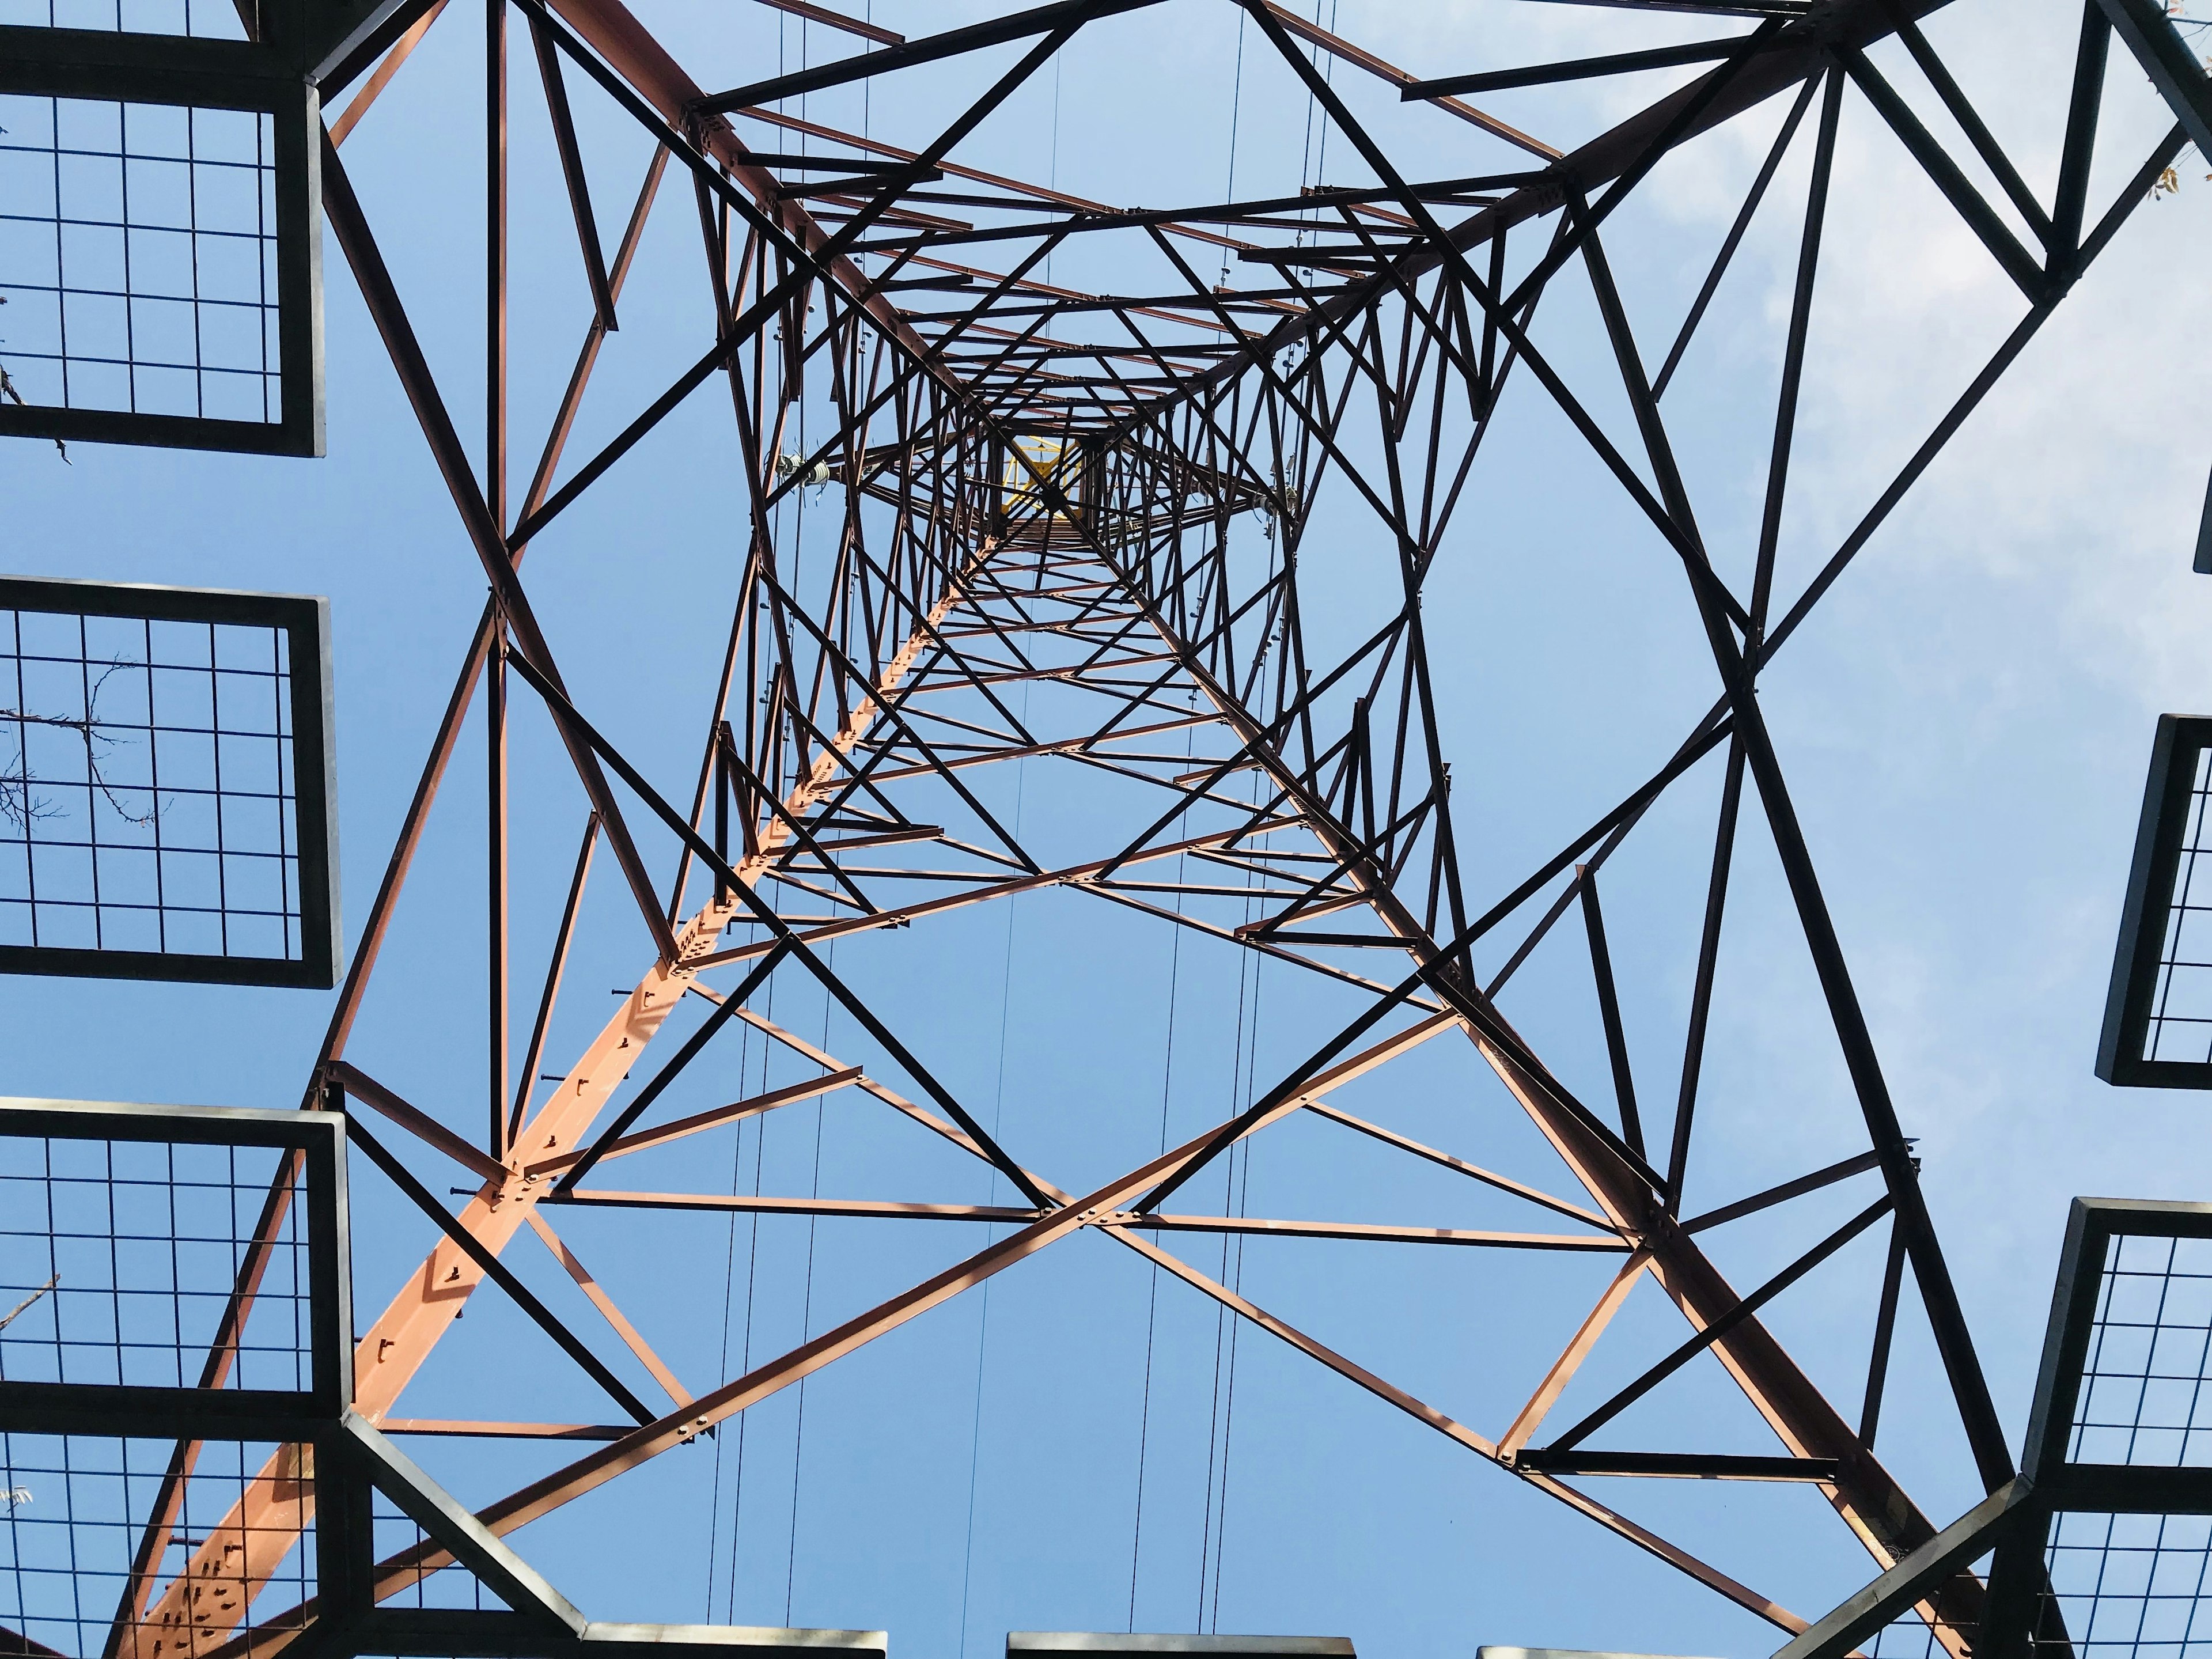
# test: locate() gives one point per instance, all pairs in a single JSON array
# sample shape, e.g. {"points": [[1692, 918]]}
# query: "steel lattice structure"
{"points": [[1036, 492]]}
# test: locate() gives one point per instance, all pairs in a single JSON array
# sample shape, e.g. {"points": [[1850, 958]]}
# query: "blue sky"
{"points": [[1965, 724]]}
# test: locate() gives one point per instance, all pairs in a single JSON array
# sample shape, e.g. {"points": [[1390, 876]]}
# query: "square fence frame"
{"points": [[2016, 1518], [138, 1412], [194, 72], [306, 619], [2144, 914], [2018, 1573], [353, 1460]]}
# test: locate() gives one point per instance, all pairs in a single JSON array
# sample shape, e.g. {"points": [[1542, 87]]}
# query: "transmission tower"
{"points": [[1101, 537]]}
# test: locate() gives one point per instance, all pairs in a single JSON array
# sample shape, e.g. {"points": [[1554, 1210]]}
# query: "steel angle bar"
{"points": [[1609, 1002], [1735, 237], [1971, 1535], [572, 171], [352, 227], [546, 1319], [1944, 174], [1720, 1327], [2070, 200], [478, 1429], [1683, 1465], [1488, 1177], [606, 1640], [400, 51], [791, 1094], [1340, 48], [1562, 1370], [1978, 133], [1793, 352], [1789, 1189], [442, 1517], [692, 1045], [1377, 1232], [556, 966], [1018, 25], [613, 1314], [772, 1204], [1884, 1329], [1121, 895], [1580, 69], [339, 59], [2172, 64], [765, 913], [358, 1084], [1388, 1392]]}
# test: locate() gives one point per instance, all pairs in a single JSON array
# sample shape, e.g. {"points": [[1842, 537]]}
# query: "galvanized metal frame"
{"points": [[206, 74], [1114, 1644], [305, 622], [210, 1412], [2146, 914], [2014, 1520], [351, 1458]]}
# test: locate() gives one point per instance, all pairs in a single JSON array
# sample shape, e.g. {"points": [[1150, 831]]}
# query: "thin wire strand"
{"points": [[807, 1311], [997, 1103], [1153, 1299]]}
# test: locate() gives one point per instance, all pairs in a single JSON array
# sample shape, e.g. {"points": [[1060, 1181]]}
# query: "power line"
{"points": [[991, 1231]]}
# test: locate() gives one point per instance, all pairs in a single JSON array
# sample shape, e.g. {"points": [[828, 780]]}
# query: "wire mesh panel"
{"points": [[2118, 1587], [91, 1529], [175, 1264], [2146, 1396], [159, 212], [2120, 1439], [2125, 1585], [1946, 1623], [164, 785], [138, 258], [2101, 1547], [2137, 1307], [2181, 1007], [450, 1586], [216, 19], [2158, 1014], [153, 1264]]}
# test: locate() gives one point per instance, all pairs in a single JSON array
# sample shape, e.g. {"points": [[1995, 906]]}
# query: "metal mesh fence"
{"points": [[2127, 1585], [2181, 1027], [1954, 1629], [93, 1529], [2120, 1587], [207, 18], [2123, 1586], [448, 1587], [138, 257], [120, 1260], [148, 787], [2144, 1397]]}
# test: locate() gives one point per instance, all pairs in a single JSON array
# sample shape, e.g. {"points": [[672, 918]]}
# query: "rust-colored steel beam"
{"points": [[246, 1548]]}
